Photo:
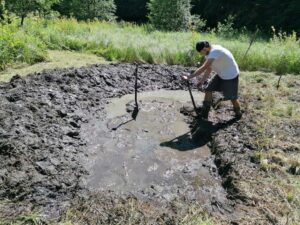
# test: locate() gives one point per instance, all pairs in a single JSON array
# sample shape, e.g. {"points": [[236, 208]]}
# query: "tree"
{"points": [[24, 7], [291, 19], [100, 9], [88, 9], [284, 15], [172, 15], [2, 10]]}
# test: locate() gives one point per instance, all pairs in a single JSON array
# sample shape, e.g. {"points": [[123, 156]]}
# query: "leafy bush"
{"points": [[196, 23], [18, 46], [170, 15], [226, 29], [88, 9]]}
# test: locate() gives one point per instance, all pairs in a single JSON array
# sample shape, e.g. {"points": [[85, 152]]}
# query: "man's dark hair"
{"points": [[202, 44]]}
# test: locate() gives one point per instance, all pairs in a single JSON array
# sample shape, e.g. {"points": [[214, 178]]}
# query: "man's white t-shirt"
{"points": [[224, 64]]}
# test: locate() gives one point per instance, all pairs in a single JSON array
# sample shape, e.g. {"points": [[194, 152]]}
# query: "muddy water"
{"points": [[117, 107], [153, 153]]}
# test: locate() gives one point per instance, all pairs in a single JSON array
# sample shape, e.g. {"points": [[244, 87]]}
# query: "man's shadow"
{"points": [[200, 134]]}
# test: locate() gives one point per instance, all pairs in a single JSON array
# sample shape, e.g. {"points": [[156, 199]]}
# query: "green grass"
{"points": [[128, 42], [276, 104], [56, 59]]}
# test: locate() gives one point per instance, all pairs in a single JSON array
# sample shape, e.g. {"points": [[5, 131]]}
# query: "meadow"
{"points": [[129, 42]]}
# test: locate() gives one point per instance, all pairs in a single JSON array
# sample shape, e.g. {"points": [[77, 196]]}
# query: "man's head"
{"points": [[203, 47]]}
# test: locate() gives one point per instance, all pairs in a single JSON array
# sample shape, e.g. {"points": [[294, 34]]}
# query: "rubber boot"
{"points": [[238, 112], [205, 109]]}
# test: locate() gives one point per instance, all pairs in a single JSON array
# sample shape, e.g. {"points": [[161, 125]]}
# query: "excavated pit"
{"points": [[67, 133]]}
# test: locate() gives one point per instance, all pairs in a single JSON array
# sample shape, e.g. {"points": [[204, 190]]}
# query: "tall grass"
{"points": [[128, 42]]}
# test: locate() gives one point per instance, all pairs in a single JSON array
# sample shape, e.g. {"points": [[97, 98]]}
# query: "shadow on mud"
{"points": [[200, 134], [134, 114]]}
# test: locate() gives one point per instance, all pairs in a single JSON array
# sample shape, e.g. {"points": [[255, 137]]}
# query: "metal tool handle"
{"points": [[135, 86], [192, 97]]}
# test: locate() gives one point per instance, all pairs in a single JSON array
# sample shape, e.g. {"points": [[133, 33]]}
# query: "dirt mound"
{"points": [[41, 116]]}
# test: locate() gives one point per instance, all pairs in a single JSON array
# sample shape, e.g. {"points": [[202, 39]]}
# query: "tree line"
{"points": [[168, 14]]}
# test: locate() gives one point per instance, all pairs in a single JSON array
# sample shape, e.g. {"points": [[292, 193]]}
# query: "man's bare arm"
{"points": [[205, 75], [206, 66]]}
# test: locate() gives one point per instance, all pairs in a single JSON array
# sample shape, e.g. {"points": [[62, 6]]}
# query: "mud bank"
{"points": [[53, 122], [41, 144]]}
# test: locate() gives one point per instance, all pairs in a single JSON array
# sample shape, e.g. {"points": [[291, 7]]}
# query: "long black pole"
{"points": [[191, 94], [135, 86], [251, 42]]}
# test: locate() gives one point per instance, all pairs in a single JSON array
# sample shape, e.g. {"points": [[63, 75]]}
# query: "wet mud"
{"points": [[148, 154], [67, 134]]}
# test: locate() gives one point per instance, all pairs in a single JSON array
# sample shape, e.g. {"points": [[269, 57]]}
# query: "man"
{"points": [[221, 61]]}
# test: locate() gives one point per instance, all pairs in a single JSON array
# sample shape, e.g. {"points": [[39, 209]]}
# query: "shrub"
{"points": [[196, 23], [226, 29], [88, 9], [170, 15], [18, 46]]}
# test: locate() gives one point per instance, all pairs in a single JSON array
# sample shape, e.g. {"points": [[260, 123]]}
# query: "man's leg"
{"points": [[206, 104], [236, 108], [213, 85], [230, 92], [208, 96]]}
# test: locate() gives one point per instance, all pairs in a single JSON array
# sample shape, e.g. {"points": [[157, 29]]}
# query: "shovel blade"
{"points": [[135, 112]]}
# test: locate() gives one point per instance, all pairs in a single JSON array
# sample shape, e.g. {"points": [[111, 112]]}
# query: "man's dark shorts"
{"points": [[229, 88]]}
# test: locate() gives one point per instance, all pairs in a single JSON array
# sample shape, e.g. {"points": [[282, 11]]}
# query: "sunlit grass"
{"points": [[277, 149], [129, 42]]}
